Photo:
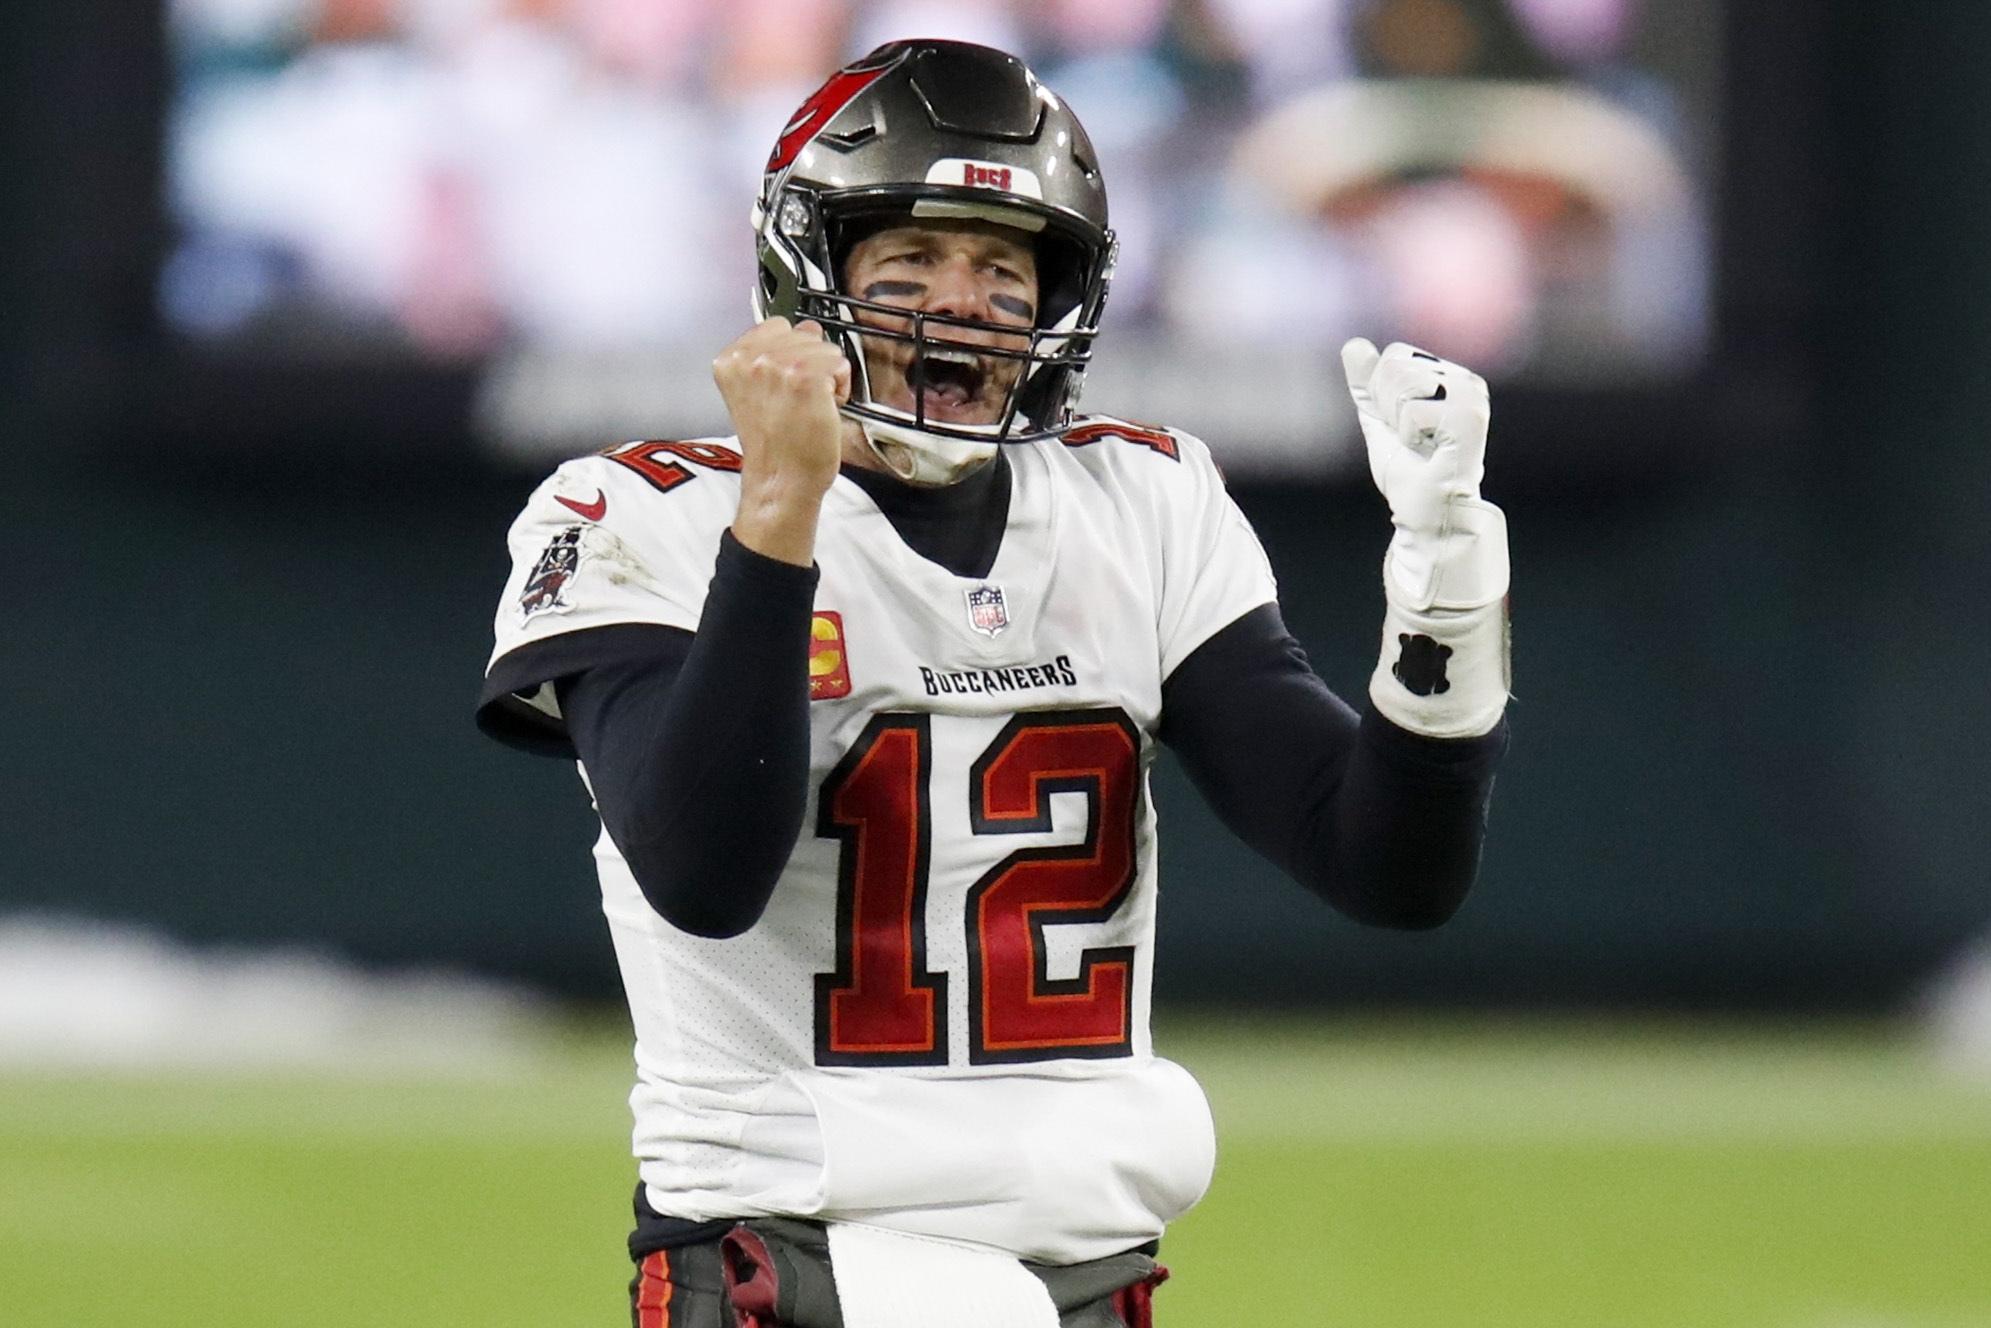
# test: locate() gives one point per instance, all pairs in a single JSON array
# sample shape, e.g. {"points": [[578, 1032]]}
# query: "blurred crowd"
{"points": [[1498, 179]]}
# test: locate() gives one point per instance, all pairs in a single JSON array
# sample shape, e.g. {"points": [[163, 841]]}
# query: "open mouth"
{"points": [[948, 378]]}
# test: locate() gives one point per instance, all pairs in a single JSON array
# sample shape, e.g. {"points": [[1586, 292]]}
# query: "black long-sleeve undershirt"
{"points": [[698, 753], [1384, 824], [697, 750]]}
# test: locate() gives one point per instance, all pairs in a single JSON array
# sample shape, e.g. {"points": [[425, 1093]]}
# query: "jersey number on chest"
{"points": [[882, 1005]]}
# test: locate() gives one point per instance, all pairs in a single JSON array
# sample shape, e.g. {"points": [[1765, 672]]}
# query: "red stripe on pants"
{"points": [[653, 1296]]}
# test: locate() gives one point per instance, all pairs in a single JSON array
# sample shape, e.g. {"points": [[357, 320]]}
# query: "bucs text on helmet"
{"points": [[936, 129]]}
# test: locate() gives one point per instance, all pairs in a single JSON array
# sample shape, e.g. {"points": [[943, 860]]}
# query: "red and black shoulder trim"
{"points": [[1092, 428]]}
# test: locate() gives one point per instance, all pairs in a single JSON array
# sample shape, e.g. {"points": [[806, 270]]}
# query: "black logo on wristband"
{"points": [[1421, 665]]}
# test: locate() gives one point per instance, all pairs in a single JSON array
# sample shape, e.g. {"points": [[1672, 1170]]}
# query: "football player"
{"points": [[866, 695]]}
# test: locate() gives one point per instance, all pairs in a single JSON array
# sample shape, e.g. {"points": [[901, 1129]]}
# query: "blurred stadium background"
{"points": [[305, 1006]]}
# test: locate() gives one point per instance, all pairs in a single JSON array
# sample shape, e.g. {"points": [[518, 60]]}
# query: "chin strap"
{"points": [[923, 459]]}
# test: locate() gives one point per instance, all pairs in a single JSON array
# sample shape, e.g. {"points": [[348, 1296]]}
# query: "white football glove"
{"points": [[1443, 670], [1424, 420]]}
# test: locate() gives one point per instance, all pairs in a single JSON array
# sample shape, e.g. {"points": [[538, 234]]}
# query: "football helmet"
{"points": [[939, 129]]}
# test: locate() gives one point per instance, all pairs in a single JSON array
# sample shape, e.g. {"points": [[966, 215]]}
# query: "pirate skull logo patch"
{"points": [[557, 565]]}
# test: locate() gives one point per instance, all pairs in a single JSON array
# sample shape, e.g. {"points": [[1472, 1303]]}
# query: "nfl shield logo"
{"points": [[987, 613]]}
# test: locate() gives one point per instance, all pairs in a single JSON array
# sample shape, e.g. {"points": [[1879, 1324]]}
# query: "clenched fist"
{"points": [[782, 385], [1424, 421]]}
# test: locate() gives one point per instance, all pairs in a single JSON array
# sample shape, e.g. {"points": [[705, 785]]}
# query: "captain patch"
{"points": [[557, 565], [829, 658]]}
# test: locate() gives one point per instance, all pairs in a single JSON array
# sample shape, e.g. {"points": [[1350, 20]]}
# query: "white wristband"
{"points": [[1443, 673]]}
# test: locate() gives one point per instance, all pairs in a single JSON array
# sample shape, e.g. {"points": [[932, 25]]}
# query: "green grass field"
{"points": [[1453, 1175]]}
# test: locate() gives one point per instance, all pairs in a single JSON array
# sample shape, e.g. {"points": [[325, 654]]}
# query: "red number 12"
{"points": [[882, 1005]]}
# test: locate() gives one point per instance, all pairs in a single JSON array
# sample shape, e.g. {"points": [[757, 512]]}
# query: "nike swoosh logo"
{"points": [[593, 511]]}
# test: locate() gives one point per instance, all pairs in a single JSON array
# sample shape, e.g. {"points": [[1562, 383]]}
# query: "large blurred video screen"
{"points": [[558, 190]]}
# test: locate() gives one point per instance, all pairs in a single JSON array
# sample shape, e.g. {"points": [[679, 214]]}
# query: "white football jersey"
{"points": [[940, 1023]]}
